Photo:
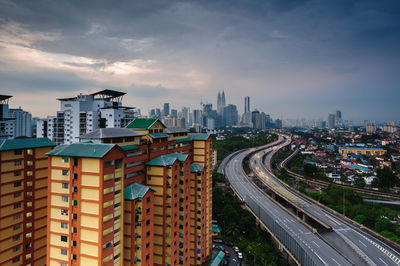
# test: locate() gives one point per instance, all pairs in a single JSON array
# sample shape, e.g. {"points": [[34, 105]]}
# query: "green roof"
{"points": [[199, 136], [168, 159], [25, 143], [82, 149], [194, 167], [135, 190], [216, 229], [142, 123], [183, 140], [129, 147], [217, 259]]}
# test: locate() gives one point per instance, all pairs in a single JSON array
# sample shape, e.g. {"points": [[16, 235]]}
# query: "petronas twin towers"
{"points": [[221, 102]]}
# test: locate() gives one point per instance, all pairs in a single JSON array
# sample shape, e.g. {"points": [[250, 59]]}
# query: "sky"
{"points": [[293, 58]]}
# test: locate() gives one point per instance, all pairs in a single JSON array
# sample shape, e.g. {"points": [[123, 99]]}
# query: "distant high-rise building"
{"points": [[13, 122], [221, 103], [174, 113], [247, 104], [185, 115], [256, 119], [152, 113], [278, 123], [166, 109], [370, 128], [158, 112], [389, 127], [197, 117], [85, 113], [231, 115], [331, 121], [338, 118]]}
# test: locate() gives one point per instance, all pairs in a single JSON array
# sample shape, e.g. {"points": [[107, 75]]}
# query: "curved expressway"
{"points": [[305, 246], [357, 246]]}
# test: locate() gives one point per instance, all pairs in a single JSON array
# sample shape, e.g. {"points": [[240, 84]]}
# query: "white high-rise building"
{"points": [[13, 122], [85, 113]]}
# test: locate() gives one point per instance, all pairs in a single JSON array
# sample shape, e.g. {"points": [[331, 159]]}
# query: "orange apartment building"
{"points": [[146, 156], [23, 200]]}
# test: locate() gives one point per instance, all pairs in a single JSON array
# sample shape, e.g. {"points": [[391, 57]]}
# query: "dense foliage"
{"points": [[239, 226], [235, 143], [382, 219]]}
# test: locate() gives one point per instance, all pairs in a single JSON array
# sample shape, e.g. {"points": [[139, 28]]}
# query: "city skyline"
{"points": [[312, 56]]}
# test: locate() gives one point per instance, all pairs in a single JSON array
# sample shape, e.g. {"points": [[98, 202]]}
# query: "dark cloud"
{"points": [[42, 81], [268, 48]]}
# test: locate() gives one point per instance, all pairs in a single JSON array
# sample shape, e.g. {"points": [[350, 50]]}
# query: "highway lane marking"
{"points": [[333, 219], [335, 261], [362, 243], [382, 261], [316, 244]]}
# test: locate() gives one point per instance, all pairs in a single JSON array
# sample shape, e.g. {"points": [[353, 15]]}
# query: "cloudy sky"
{"points": [[293, 58]]}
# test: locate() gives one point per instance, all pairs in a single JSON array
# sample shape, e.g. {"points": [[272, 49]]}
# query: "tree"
{"points": [[310, 170], [384, 224], [359, 182], [385, 178], [360, 218]]}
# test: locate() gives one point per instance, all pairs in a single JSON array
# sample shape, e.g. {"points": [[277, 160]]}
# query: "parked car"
{"points": [[227, 253], [220, 247], [236, 249], [218, 241], [229, 244], [240, 255]]}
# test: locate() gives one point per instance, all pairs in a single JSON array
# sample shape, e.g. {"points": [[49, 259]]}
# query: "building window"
{"points": [[108, 163], [17, 163], [17, 152], [17, 184], [17, 226], [63, 264], [148, 199], [65, 159], [63, 251], [148, 234], [17, 216], [17, 248], [64, 225], [148, 222], [65, 172], [16, 238], [65, 185], [16, 259], [64, 198], [17, 173], [64, 212], [17, 205], [64, 239], [148, 210], [17, 194]]}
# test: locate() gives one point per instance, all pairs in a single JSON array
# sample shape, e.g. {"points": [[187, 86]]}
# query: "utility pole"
{"points": [[344, 198]]}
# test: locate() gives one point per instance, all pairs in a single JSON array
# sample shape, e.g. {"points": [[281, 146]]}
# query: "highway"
{"points": [[356, 245], [317, 250]]}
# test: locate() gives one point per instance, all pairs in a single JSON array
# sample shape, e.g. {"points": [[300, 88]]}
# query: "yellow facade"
{"points": [[362, 151]]}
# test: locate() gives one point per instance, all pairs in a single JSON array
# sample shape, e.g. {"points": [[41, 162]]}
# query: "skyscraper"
{"points": [[338, 118], [331, 120], [247, 104], [166, 109], [85, 113], [231, 115], [221, 103]]}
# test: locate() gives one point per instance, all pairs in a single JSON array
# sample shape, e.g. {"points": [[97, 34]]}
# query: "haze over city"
{"points": [[293, 58]]}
